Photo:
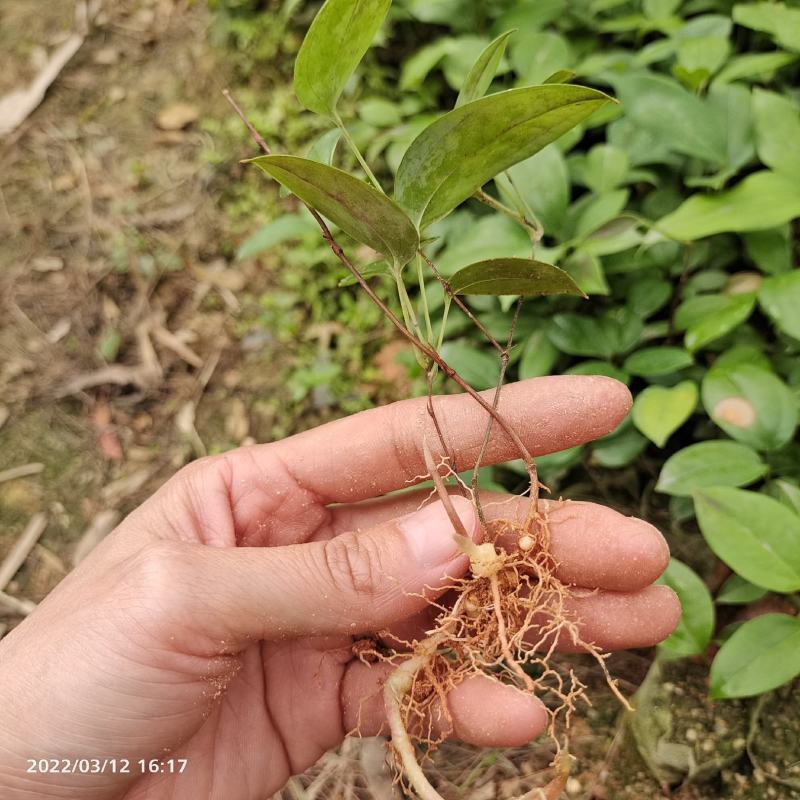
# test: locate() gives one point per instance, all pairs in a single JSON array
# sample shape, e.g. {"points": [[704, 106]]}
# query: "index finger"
{"points": [[380, 450]]}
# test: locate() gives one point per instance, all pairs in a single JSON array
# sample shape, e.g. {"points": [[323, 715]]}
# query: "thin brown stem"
{"points": [[259, 139], [430, 374], [460, 303], [425, 349], [485, 198], [504, 355]]}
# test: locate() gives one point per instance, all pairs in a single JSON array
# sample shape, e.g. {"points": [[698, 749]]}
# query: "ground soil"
{"points": [[115, 252]]}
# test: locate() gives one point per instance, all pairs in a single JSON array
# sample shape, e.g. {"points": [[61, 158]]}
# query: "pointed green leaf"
{"points": [[478, 368], [335, 43], [653, 361], [483, 70], [359, 210], [277, 231], [713, 463], [538, 356], [774, 18], [518, 276], [737, 591], [762, 654], [696, 624], [779, 296], [756, 536], [561, 76], [707, 317], [469, 145], [777, 121], [751, 405], [762, 200], [543, 182], [753, 65], [658, 411]]}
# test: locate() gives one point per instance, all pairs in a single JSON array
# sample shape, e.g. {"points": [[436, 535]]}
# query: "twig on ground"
{"points": [[102, 524], [18, 105], [16, 606], [22, 548], [22, 471]]}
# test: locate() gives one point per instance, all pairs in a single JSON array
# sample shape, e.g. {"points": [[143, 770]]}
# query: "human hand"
{"points": [[216, 623]]}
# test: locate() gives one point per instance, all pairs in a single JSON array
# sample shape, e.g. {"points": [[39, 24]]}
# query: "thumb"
{"points": [[351, 584]]}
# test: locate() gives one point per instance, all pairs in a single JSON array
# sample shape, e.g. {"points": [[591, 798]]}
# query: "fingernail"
{"points": [[429, 531]]}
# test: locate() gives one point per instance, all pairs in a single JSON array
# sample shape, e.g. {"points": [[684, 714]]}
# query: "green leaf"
{"points": [[696, 625], [737, 591], [604, 168], [417, 67], [492, 236], [649, 295], [778, 130], [379, 112], [587, 270], [654, 361], [619, 449], [359, 210], [600, 368], [787, 492], [659, 411], [462, 56], [368, 271], [676, 118], [335, 43], [754, 65], [613, 333], [516, 276], [762, 654], [469, 145], [771, 249], [282, 229], [535, 56], [712, 463], [743, 354], [751, 405], [595, 212], [756, 536], [477, 367], [483, 70], [780, 22], [543, 181], [762, 200], [779, 296], [323, 147], [538, 356], [560, 76], [710, 316]]}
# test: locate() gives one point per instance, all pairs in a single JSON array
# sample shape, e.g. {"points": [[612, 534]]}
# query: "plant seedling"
{"points": [[510, 611]]}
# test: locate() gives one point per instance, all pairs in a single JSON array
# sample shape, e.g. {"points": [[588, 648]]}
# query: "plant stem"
{"points": [[442, 327], [357, 153], [495, 401], [538, 231], [394, 691], [424, 296], [461, 304], [533, 227], [409, 316]]}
